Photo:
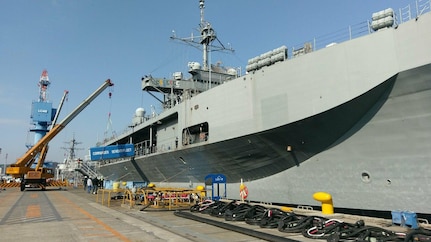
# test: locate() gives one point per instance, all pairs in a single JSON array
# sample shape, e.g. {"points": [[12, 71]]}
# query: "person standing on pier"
{"points": [[84, 183], [89, 185], [95, 185]]}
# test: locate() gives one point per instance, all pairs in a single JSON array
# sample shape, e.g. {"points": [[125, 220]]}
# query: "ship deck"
{"points": [[75, 215]]}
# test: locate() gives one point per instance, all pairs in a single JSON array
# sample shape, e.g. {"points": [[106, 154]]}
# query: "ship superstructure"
{"points": [[203, 77], [350, 118]]}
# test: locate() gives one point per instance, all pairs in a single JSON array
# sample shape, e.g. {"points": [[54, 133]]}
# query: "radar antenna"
{"points": [[207, 36]]}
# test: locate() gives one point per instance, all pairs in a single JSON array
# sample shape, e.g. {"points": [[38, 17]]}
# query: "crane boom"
{"points": [[22, 165], [60, 106], [85, 103]]}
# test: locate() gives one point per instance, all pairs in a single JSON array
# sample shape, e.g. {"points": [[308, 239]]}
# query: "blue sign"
{"points": [[215, 178], [42, 112], [111, 152]]}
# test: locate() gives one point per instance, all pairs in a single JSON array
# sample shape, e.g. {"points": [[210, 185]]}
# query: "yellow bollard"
{"points": [[326, 200], [286, 209], [202, 191]]}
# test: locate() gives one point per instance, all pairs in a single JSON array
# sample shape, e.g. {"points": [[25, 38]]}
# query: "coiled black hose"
{"points": [[314, 227], [254, 214], [270, 218], [348, 232], [297, 226], [250, 232], [418, 235], [221, 208], [238, 213]]}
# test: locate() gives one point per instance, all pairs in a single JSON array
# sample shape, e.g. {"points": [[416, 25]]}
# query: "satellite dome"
{"points": [[194, 65], [232, 71], [140, 112]]}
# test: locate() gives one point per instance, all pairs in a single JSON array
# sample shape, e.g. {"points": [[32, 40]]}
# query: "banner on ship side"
{"points": [[111, 152]]}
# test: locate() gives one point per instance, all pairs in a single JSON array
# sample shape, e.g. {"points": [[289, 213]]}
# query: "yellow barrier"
{"points": [[162, 198], [154, 197], [48, 184], [57, 184], [103, 192], [9, 185]]}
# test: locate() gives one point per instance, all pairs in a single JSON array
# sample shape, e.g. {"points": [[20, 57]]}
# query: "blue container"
{"points": [[411, 220], [107, 184], [397, 218], [405, 219], [137, 184]]}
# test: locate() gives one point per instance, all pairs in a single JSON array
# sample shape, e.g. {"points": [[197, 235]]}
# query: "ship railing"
{"points": [[144, 148], [128, 130], [327, 40], [422, 6], [409, 12], [404, 14]]}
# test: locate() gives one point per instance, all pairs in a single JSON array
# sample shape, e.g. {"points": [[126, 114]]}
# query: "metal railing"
{"points": [[354, 31], [91, 171]]}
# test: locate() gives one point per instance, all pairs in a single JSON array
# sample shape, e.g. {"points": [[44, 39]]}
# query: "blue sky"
{"points": [[84, 42]]}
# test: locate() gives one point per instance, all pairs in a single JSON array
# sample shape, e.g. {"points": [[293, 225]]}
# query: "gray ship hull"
{"points": [[352, 120]]}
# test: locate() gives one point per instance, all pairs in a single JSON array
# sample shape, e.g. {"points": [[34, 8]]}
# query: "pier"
{"points": [[72, 214]]}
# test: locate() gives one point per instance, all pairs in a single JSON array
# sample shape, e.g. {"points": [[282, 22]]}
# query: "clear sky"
{"points": [[84, 42]]}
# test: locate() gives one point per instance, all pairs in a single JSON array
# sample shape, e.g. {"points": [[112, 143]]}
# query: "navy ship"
{"points": [[350, 117]]}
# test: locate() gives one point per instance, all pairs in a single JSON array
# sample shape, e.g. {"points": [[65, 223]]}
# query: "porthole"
{"points": [[365, 177]]}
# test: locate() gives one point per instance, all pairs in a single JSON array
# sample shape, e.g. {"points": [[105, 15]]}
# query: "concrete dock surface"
{"points": [[74, 215]]}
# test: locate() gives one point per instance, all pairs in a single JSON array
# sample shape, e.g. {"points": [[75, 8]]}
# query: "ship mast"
{"points": [[207, 36], [204, 76], [71, 149]]}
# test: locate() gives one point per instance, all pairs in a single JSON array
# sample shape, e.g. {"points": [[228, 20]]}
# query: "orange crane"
{"points": [[39, 175]]}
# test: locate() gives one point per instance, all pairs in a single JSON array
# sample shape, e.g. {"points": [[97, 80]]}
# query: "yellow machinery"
{"points": [[39, 175]]}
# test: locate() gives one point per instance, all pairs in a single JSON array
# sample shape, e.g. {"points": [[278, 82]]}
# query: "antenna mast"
{"points": [[207, 36]]}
